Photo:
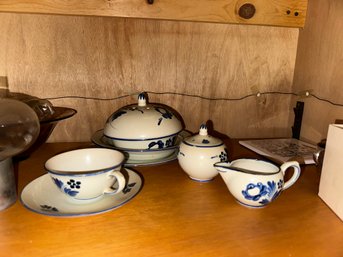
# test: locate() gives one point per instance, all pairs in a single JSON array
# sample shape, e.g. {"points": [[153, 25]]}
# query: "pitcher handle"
{"points": [[296, 168]]}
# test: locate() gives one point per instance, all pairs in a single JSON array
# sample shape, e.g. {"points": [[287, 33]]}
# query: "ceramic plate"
{"points": [[143, 157], [43, 197]]}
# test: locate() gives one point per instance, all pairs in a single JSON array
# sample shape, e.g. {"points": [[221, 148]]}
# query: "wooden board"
{"points": [[290, 13], [319, 67], [52, 56]]}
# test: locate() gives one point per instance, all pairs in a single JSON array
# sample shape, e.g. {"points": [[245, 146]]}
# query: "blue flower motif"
{"points": [[128, 188], [58, 182], [223, 156], [74, 184], [70, 192], [159, 143], [171, 141], [271, 191], [165, 114], [48, 208], [65, 189], [262, 191]]}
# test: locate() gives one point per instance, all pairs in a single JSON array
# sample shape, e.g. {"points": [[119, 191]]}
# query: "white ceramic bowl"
{"points": [[143, 126], [138, 157]]}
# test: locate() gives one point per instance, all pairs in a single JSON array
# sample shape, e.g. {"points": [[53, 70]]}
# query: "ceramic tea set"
{"points": [[94, 180]]}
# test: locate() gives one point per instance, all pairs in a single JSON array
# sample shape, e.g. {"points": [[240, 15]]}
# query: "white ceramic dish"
{"points": [[138, 157], [143, 126], [42, 197]]}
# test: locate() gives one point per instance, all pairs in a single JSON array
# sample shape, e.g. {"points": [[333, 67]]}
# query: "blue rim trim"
{"points": [[83, 173], [147, 150], [217, 165], [145, 139], [202, 146]]}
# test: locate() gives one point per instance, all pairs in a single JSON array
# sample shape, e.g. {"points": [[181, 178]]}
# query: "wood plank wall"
{"points": [[319, 66], [50, 56], [286, 13]]}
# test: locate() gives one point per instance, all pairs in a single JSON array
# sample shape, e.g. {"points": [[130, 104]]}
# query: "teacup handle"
{"points": [[296, 167], [120, 181]]}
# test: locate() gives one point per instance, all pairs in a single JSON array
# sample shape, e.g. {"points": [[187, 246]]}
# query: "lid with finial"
{"points": [[142, 121], [203, 139]]}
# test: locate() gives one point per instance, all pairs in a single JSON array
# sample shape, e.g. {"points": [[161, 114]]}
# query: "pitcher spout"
{"points": [[222, 166]]}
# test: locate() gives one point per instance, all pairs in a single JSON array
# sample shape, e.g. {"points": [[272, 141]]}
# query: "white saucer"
{"points": [[140, 157], [43, 197]]}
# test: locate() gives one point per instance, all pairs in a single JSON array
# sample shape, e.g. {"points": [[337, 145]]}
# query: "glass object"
{"points": [[19, 128]]}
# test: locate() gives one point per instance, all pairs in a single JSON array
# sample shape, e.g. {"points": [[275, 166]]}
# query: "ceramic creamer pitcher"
{"points": [[256, 183]]}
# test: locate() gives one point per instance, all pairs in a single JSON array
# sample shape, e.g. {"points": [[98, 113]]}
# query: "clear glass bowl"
{"points": [[19, 127]]}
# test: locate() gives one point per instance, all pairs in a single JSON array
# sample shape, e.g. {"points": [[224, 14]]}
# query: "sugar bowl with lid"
{"points": [[199, 153], [143, 126]]}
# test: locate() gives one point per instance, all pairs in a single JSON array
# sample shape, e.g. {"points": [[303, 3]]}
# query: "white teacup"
{"points": [[86, 174]]}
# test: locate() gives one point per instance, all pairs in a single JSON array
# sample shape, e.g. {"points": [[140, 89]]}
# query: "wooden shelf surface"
{"points": [[175, 216]]}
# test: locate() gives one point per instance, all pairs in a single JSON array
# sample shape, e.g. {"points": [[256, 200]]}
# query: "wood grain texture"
{"points": [[289, 13], [319, 67], [51, 56], [175, 216]]}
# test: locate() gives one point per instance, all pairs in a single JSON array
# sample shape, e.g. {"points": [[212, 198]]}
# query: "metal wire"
{"points": [[196, 96]]}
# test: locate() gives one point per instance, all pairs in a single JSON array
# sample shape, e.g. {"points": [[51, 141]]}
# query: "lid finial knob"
{"points": [[141, 99], [203, 130]]}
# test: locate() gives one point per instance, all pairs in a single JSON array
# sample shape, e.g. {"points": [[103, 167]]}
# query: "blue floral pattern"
{"points": [[171, 141], [128, 188], [159, 143], [116, 115], [165, 114], [72, 184], [223, 156], [267, 193], [48, 208]]}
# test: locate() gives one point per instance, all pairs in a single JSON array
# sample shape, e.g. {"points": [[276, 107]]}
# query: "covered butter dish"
{"points": [[199, 153], [143, 126]]}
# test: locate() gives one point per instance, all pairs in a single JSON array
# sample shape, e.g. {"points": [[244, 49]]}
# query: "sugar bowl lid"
{"points": [[203, 139], [142, 121]]}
